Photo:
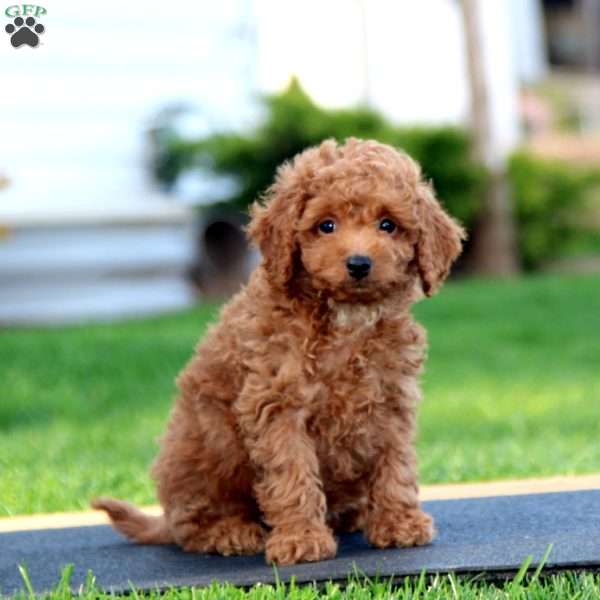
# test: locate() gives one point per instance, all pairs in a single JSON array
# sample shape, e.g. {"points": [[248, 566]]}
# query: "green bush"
{"points": [[293, 122], [547, 194]]}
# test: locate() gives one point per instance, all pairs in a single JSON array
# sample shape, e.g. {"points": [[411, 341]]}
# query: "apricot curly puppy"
{"points": [[296, 415]]}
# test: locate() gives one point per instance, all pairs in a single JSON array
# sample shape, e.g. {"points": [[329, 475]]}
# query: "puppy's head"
{"points": [[355, 222]]}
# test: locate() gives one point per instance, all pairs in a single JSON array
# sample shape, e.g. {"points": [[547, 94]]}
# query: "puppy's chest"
{"points": [[358, 371], [358, 360], [350, 365], [362, 370]]}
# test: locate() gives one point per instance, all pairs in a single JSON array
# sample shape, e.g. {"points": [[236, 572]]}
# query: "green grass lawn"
{"points": [[512, 389], [525, 585]]}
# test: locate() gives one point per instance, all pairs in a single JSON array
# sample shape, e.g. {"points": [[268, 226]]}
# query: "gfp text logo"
{"points": [[24, 30]]}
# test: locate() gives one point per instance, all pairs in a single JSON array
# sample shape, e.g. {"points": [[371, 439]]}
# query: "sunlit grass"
{"points": [[512, 389], [527, 584]]}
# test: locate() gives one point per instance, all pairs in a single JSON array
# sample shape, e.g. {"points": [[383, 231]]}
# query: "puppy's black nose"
{"points": [[358, 266]]}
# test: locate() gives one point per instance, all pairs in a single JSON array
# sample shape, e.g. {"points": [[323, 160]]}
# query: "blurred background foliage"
{"points": [[551, 199], [547, 193], [292, 122]]}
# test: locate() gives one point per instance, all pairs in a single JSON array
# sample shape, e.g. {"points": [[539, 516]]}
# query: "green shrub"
{"points": [[547, 194], [293, 122]]}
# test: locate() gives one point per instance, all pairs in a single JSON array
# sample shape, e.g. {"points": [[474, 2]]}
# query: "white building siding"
{"points": [[74, 110], [89, 236]]}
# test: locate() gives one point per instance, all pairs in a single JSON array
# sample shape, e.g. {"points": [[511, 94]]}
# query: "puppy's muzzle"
{"points": [[358, 266]]}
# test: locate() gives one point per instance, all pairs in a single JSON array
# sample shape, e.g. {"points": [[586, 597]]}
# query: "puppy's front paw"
{"points": [[410, 527], [302, 543]]}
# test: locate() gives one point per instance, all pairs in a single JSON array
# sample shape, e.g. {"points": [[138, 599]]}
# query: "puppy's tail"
{"points": [[133, 523]]}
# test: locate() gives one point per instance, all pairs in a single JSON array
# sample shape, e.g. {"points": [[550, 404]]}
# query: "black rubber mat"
{"points": [[484, 535]]}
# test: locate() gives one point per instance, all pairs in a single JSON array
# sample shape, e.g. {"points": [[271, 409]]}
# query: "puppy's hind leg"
{"points": [[220, 534], [205, 484]]}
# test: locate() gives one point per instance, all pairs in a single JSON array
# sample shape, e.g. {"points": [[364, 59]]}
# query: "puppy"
{"points": [[296, 415]]}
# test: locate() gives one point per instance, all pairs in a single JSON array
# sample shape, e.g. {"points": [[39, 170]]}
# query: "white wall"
{"points": [[73, 111], [530, 38]]}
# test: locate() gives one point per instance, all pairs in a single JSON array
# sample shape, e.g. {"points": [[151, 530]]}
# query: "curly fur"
{"points": [[296, 414]]}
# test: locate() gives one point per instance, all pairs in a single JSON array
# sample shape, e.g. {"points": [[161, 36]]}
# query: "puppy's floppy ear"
{"points": [[439, 242], [272, 227]]}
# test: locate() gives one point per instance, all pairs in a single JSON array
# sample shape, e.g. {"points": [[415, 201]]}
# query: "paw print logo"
{"points": [[24, 32]]}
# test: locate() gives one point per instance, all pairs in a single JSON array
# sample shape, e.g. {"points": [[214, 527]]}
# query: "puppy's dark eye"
{"points": [[327, 226], [387, 225]]}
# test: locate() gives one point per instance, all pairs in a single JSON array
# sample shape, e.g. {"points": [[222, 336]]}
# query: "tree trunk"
{"points": [[493, 250]]}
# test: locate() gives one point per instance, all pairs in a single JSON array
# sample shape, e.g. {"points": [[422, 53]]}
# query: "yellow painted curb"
{"points": [[60, 520], [509, 487], [428, 492]]}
